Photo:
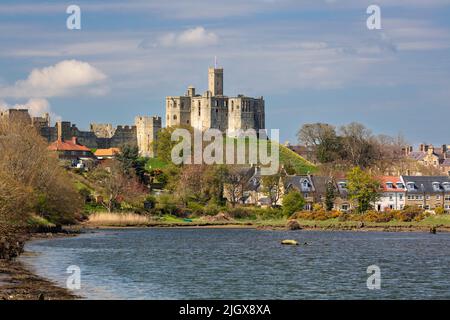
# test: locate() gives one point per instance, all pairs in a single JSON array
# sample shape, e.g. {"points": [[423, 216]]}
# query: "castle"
{"points": [[215, 110], [100, 136], [211, 110]]}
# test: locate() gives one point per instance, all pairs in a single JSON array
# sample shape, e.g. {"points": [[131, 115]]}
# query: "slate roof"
{"points": [[426, 184], [296, 181], [320, 183]]}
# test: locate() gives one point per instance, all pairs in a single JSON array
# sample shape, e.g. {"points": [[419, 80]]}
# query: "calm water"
{"points": [[247, 264]]}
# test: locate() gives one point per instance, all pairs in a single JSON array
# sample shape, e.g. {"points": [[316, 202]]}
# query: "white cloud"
{"points": [[195, 37], [37, 107], [63, 78]]}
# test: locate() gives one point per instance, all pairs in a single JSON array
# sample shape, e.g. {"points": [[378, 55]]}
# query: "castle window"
{"points": [[199, 103], [199, 112], [174, 117]]}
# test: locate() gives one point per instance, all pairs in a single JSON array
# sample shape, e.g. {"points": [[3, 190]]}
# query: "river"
{"points": [[184, 263]]}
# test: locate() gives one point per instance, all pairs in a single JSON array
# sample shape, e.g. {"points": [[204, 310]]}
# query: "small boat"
{"points": [[290, 242], [187, 220]]}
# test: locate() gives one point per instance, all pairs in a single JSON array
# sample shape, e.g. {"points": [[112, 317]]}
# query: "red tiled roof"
{"points": [[71, 145], [393, 179], [107, 152]]}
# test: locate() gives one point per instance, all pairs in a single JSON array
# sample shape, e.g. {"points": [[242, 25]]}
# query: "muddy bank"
{"points": [[17, 282]]}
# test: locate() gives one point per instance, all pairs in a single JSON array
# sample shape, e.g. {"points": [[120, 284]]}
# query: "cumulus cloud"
{"points": [[63, 78], [195, 37]]}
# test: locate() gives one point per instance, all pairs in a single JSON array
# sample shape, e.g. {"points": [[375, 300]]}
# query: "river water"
{"points": [[181, 263]]}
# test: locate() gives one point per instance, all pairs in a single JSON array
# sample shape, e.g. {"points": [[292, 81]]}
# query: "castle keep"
{"points": [[215, 110], [100, 136]]}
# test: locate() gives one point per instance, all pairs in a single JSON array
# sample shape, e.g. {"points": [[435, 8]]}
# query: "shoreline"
{"points": [[19, 282], [357, 227]]}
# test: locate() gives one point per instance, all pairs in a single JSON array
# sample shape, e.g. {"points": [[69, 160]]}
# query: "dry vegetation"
{"points": [[31, 180], [117, 219]]}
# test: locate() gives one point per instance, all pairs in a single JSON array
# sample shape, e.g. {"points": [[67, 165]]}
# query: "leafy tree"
{"points": [[131, 163], [164, 143], [271, 186], [363, 188], [292, 202], [329, 196]]}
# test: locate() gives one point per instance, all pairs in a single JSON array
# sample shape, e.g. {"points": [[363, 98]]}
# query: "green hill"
{"points": [[287, 156]]}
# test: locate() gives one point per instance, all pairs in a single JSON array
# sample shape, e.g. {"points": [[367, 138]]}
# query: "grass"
{"points": [[155, 163], [287, 156]]}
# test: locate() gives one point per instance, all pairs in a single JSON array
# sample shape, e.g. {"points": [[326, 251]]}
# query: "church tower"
{"points": [[215, 81]]}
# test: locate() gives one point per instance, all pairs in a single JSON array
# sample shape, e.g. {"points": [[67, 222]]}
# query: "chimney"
{"points": [[74, 140], [422, 147], [430, 149]]}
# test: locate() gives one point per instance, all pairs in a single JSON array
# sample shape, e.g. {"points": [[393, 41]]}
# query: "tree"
{"points": [[329, 196], [31, 178], [235, 180], [363, 188], [358, 145], [116, 185], [292, 202], [164, 143], [323, 139], [131, 163], [271, 186]]}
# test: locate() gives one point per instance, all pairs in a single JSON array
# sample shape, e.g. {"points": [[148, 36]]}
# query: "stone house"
{"points": [[427, 192]]}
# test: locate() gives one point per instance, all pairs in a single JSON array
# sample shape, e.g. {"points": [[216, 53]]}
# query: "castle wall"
{"points": [[146, 131], [178, 111]]}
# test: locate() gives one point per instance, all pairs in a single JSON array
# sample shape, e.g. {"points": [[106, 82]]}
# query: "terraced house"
{"points": [[392, 194], [427, 192]]}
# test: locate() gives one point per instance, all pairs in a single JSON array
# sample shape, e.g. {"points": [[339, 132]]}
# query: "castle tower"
{"points": [[146, 131], [215, 81]]}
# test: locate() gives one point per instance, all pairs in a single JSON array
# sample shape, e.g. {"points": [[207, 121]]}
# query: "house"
{"points": [[71, 150], [342, 201], [302, 184], [110, 153], [392, 194], [427, 192], [431, 157]]}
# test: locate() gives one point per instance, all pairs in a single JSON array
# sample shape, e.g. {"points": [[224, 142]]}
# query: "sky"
{"points": [[311, 60]]}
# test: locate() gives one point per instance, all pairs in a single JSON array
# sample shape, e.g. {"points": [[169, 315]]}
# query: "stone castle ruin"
{"points": [[215, 110], [212, 110], [100, 136]]}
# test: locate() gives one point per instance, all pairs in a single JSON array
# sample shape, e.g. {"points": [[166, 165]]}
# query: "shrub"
{"points": [[317, 207], [196, 208], [439, 210], [240, 212], [292, 202], [211, 209], [409, 214], [167, 205]]}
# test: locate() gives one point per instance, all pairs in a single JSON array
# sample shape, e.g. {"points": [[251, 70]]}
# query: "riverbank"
{"points": [[18, 282], [432, 223]]}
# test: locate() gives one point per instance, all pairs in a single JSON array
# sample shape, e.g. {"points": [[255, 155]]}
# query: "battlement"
{"points": [[102, 136]]}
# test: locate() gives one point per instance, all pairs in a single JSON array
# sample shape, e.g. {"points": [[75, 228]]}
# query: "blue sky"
{"points": [[312, 60]]}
